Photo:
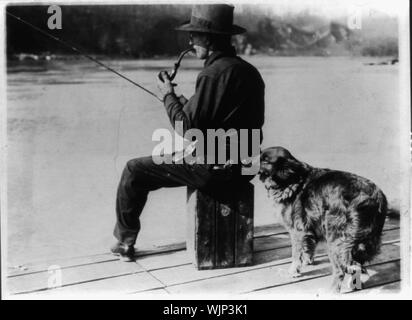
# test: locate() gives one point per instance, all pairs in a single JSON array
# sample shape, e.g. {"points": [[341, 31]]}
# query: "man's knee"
{"points": [[137, 164], [138, 173]]}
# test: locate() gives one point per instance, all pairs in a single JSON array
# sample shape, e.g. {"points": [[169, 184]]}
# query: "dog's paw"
{"points": [[307, 260], [294, 271], [335, 288], [354, 269]]}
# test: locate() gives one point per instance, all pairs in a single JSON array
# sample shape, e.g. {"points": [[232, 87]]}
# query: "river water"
{"points": [[72, 126]]}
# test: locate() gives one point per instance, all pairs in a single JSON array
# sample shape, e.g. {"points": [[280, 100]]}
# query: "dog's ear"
{"points": [[273, 154], [290, 170]]}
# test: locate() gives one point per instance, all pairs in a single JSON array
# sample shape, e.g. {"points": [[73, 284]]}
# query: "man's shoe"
{"points": [[124, 251]]}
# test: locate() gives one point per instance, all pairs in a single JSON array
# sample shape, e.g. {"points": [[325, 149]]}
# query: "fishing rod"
{"points": [[170, 75]]}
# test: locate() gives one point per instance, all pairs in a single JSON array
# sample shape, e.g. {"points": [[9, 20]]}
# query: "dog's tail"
{"points": [[367, 242]]}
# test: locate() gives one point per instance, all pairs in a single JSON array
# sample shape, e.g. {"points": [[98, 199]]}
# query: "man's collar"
{"points": [[230, 52]]}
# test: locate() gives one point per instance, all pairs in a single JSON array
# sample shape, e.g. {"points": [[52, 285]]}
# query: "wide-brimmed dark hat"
{"points": [[212, 18]]}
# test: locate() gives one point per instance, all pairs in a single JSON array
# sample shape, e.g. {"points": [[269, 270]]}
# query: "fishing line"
{"points": [[75, 49], [170, 76]]}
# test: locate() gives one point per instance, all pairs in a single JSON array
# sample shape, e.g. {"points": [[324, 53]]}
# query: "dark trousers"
{"points": [[142, 175]]}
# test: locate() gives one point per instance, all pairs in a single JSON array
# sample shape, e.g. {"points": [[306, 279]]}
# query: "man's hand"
{"points": [[164, 86]]}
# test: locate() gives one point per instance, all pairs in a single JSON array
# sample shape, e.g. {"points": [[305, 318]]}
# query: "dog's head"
{"points": [[281, 172]]}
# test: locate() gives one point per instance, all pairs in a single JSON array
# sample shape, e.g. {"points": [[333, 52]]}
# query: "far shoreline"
{"points": [[43, 57]]}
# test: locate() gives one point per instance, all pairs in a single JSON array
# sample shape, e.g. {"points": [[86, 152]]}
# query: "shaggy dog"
{"points": [[345, 210]]}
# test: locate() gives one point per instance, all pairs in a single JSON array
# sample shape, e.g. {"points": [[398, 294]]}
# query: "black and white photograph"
{"points": [[160, 150]]}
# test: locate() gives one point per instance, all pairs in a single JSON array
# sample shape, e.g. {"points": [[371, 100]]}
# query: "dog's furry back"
{"points": [[352, 210]]}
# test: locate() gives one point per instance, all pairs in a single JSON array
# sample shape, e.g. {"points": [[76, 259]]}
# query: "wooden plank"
{"points": [[391, 223], [165, 260], [245, 280], [244, 226], [283, 240], [390, 252], [380, 274], [190, 227], [260, 231], [383, 274], [126, 284], [263, 252], [173, 259], [271, 276], [186, 273], [389, 288], [223, 228], [167, 256], [277, 254], [271, 255], [63, 263], [176, 259], [89, 272], [204, 232], [151, 294], [225, 234], [161, 249], [97, 258], [268, 230], [263, 258], [276, 228], [78, 274], [272, 242]]}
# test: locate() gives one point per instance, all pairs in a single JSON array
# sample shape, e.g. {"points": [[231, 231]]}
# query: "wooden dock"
{"points": [[167, 271]]}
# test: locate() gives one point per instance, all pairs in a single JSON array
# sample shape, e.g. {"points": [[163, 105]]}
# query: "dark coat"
{"points": [[229, 95]]}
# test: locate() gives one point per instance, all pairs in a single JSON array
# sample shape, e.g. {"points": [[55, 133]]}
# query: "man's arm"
{"points": [[174, 109], [194, 113]]}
